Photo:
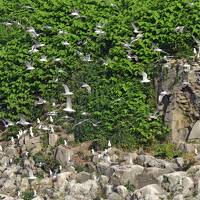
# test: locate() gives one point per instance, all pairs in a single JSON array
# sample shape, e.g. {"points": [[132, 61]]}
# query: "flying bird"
{"points": [[87, 58], [40, 101], [135, 28], [88, 88], [43, 59], [23, 122], [67, 91], [65, 43], [32, 31], [29, 66], [69, 105], [75, 13], [145, 79]]}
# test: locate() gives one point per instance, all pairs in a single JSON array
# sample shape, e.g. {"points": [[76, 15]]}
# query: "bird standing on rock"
{"points": [[145, 79]]}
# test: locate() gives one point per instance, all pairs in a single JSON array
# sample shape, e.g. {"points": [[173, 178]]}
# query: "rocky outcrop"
{"points": [[180, 109]]}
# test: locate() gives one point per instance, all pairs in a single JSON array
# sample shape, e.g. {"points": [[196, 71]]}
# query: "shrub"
{"points": [[118, 99]]}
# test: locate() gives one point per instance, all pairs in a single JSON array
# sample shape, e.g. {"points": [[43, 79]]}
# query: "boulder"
{"points": [[63, 154], [150, 192], [87, 190], [195, 132], [53, 139], [126, 174], [82, 177]]}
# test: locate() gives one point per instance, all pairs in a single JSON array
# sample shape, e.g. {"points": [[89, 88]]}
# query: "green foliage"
{"points": [[28, 195], [130, 187], [118, 99], [167, 150]]}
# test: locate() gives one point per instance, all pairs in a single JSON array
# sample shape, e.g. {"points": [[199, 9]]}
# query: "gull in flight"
{"points": [[7, 23], [7, 123], [29, 66], [52, 113], [88, 88], [162, 94], [65, 43], [87, 58], [69, 105], [135, 28], [75, 13], [99, 31], [23, 122], [61, 32], [32, 31], [67, 91], [156, 49], [179, 29], [33, 49], [43, 59], [40, 101], [145, 79]]}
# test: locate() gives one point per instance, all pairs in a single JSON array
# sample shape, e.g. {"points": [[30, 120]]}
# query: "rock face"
{"points": [[181, 108]]}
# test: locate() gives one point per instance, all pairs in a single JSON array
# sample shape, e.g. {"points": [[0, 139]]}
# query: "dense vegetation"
{"points": [[119, 101]]}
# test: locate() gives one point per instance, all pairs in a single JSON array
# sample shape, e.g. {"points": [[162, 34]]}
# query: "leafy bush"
{"points": [[167, 150], [28, 195], [118, 99]]}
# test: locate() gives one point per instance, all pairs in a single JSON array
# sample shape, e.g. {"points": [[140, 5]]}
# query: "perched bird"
{"points": [[34, 193], [40, 101], [12, 140], [31, 131], [29, 66], [144, 78], [43, 59], [130, 160], [69, 105], [162, 94], [32, 31], [65, 143], [135, 28], [85, 113], [196, 151], [38, 121], [23, 122], [52, 129], [51, 119], [31, 175], [85, 85], [109, 144], [67, 91], [186, 67], [93, 152]]}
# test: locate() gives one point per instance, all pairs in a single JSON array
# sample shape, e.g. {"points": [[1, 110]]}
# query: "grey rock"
{"points": [[53, 138], [103, 180], [125, 174], [82, 177], [195, 132], [122, 191], [62, 155], [150, 192], [114, 196]]}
